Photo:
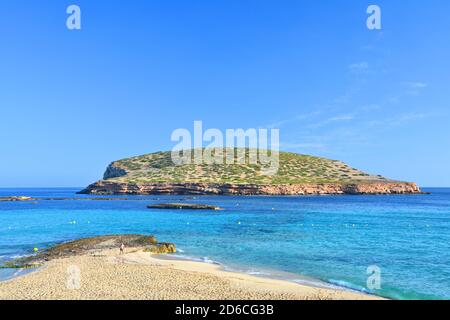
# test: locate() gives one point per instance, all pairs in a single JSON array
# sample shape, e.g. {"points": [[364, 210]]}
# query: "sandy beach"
{"points": [[136, 275]]}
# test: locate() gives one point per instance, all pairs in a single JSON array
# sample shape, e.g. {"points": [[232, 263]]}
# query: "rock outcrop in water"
{"points": [[156, 174], [16, 198], [161, 248], [82, 246], [183, 206]]}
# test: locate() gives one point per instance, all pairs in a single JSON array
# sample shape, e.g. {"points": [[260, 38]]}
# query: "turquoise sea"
{"points": [[333, 239]]}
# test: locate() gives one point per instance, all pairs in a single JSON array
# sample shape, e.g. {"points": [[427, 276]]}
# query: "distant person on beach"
{"points": [[122, 248]]}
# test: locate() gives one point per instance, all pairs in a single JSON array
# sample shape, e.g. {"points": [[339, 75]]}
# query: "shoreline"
{"points": [[137, 267], [110, 187], [140, 197], [271, 274]]}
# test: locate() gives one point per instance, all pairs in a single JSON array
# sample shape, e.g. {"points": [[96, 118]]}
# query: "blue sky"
{"points": [[73, 101]]}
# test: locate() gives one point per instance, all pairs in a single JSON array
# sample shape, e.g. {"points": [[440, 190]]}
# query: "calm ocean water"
{"points": [[330, 238]]}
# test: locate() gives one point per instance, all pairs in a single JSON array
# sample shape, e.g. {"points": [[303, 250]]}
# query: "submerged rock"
{"points": [[185, 206]]}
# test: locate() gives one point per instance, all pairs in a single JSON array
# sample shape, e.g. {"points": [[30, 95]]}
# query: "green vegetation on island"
{"points": [[293, 169]]}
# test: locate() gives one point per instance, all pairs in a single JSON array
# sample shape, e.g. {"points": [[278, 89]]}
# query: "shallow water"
{"points": [[331, 238]]}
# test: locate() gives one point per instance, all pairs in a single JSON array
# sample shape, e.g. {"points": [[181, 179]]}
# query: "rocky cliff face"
{"points": [[389, 187], [114, 172]]}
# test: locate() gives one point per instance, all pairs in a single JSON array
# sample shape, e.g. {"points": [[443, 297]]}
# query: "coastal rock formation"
{"points": [[111, 187], [16, 198], [86, 245], [156, 174], [114, 172], [161, 248]]}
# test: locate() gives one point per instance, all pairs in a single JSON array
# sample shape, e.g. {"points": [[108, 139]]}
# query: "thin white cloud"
{"points": [[369, 108], [277, 125], [409, 117], [338, 118], [345, 117], [417, 85], [359, 67], [301, 117], [398, 120], [414, 88]]}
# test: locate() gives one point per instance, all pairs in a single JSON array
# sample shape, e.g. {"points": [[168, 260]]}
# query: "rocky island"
{"points": [[156, 174]]}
